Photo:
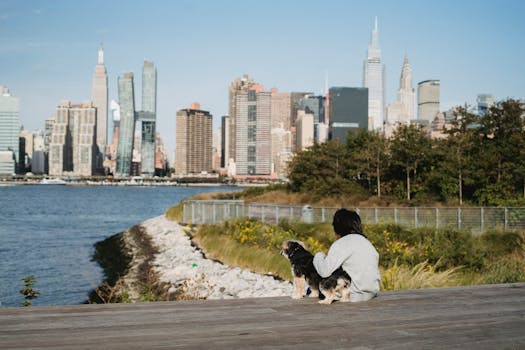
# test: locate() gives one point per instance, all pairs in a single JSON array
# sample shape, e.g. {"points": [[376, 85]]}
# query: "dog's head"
{"points": [[292, 247]]}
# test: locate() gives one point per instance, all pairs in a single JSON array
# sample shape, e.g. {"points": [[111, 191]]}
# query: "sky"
{"points": [[49, 49]]}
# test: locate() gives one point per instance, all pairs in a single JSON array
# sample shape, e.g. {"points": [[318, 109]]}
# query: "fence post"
{"points": [[375, 216], [193, 213], [249, 211], [277, 214], [459, 218], [506, 218], [482, 219], [262, 213], [395, 216], [323, 218], [437, 218]]}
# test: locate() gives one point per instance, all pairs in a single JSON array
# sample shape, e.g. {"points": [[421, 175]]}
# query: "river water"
{"points": [[49, 232]]}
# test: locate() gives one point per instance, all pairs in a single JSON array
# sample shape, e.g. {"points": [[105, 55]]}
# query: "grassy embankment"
{"points": [[409, 258]]}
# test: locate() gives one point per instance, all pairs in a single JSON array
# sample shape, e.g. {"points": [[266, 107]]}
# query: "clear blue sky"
{"points": [[48, 49]]}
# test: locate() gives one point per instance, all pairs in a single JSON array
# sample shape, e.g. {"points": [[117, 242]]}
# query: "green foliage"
{"points": [[481, 161], [505, 271], [27, 290], [414, 258]]}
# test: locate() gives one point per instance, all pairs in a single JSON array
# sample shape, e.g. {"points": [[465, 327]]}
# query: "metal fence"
{"points": [[473, 219]]}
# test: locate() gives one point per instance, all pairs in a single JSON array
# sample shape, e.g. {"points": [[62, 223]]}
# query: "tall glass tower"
{"points": [[374, 80], [9, 123], [127, 124], [148, 117]]}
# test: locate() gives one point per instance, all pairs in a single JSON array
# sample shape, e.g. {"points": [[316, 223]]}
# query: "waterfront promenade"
{"points": [[480, 317]]}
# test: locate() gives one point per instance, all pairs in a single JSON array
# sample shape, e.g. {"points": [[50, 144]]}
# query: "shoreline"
{"points": [[156, 260]]}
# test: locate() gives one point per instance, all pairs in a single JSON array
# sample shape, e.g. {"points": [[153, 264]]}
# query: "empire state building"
{"points": [[100, 100], [374, 80]]}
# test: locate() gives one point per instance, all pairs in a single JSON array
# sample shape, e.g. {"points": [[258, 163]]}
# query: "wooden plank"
{"points": [[482, 317]]}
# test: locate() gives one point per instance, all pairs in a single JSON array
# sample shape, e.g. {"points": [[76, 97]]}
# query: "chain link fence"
{"points": [[473, 219]]}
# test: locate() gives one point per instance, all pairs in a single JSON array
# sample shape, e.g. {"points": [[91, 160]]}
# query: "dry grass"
{"points": [[423, 275]]}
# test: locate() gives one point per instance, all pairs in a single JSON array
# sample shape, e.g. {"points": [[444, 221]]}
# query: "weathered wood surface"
{"points": [[482, 317]]}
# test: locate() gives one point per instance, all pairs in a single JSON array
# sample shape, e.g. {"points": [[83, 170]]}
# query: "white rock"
{"points": [[179, 261]]}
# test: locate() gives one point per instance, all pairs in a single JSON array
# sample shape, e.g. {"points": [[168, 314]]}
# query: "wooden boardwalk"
{"points": [[482, 317]]}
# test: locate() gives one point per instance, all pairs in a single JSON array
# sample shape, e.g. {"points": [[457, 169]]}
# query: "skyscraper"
{"points": [[236, 87], [402, 111], [374, 80], [148, 118], [100, 101], [127, 124], [193, 151], [427, 101], [73, 147], [9, 127], [253, 132], [348, 110]]}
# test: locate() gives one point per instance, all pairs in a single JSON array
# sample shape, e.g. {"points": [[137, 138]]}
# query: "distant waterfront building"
{"points": [[253, 132], [281, 151], [484, 102], [304, 130], [238, 86], [110, 161], [100, 102], [9, 129], [148, 117], [314, 105], [348, 111], [374, 80], [281, 110], [225, 145], [73, 147], [194, 141], [427, 101], [127, 124], [402, 112]]}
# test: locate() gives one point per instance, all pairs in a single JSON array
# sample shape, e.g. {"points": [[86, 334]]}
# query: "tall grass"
{"points": [[409, 258]]}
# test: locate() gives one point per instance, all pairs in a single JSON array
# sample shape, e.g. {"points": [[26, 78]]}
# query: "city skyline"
{"points": [[48, 52]]}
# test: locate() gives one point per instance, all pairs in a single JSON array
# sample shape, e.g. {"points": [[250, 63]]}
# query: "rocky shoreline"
{"points": [[156, 260]]}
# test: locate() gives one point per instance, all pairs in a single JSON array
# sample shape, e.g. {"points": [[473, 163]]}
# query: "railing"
{"points": [[473, 219]]}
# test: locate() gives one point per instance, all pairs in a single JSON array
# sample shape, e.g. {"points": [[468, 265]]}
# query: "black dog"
{"points": [[304, 273]]}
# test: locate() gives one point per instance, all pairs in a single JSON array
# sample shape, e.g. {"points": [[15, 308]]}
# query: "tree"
{"points": [[459, 147], [369, 153], [323, 169], [502, 144], [410, 147]]}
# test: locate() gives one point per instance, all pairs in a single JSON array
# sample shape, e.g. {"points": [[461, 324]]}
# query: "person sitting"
{"points": [[354, 253]]}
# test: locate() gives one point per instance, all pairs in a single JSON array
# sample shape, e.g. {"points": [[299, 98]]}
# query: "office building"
{"points": [[73, 148], [100, 102], [148, 117], [281, 110], [281, 151], [484, 102], [127, 124], [304, 130], [427, 101], [9, 129], [314, 105], [348, 111], [374, 80], [194, 141], [253, 132], [225, 131], [238, 86], [402, 112]]}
